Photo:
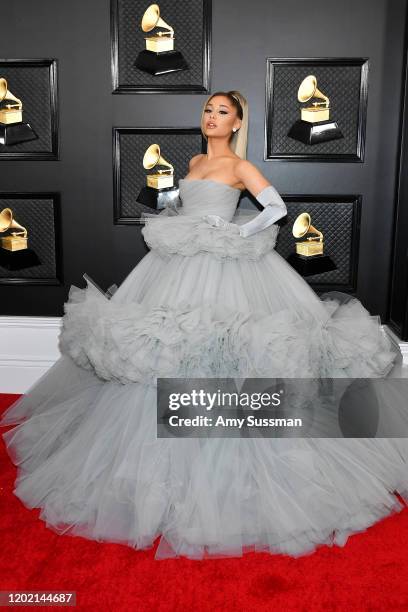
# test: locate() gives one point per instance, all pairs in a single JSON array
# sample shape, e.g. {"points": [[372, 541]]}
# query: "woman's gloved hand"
{"points": [[274, 209], [217, 221]]}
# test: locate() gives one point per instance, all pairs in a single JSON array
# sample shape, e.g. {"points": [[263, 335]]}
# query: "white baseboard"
{"points": [[403, 345], [29, 347]]}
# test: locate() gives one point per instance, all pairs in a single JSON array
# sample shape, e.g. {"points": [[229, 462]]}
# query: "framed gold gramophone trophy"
{"points": [[13, 130], [14, 251], [314, 125], [159, 191], [309, 257], [159, 57]]}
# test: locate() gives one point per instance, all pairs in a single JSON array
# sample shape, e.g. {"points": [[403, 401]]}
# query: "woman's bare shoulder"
{"points": [[195, 159], [244, 166], [250, 176]]}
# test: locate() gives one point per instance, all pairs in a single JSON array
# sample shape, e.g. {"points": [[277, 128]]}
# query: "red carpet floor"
{"points": [[370, 573]]}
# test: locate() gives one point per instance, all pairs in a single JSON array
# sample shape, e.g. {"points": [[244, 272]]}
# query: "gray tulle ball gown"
{"points": [[203, 302]]}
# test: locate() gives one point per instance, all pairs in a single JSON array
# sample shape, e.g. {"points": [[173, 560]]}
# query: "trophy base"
{"points": [[157, 199], [15, 133], [18, 260], [160, 63], [315, 133], [307, 265]]}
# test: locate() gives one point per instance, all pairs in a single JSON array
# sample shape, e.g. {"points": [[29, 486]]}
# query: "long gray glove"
{"points": [[274, 209]]}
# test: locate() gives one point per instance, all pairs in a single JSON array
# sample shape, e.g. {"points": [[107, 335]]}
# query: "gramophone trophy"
{"points": [[159, 57], [314, 125], [12, 128], [309, 257], [14, 251], [159, 191]]}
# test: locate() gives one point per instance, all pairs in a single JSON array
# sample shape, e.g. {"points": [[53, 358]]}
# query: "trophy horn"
{"points": [[7, 222], [152, 157], [302, 226], [308, 89], [151, 19], [5, 94]]}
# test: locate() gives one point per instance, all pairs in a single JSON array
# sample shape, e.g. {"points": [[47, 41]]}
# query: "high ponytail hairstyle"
{"points": [[238, 142]]}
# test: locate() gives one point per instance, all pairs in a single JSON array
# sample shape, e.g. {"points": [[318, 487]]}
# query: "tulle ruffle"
{"points": [[130, 342], [189, 235], [90, 459]]}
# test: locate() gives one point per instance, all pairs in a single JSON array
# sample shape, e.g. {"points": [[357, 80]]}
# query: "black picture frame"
{"points": [[126, 78], [283, 77], [40, 111], [129, 144], [338, 217], [49, 272]]}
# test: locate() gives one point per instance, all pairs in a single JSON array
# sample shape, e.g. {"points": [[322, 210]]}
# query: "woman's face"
{"points": [[220, 117]]}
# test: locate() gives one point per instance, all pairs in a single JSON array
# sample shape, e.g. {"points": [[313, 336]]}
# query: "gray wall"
{"points": [[77, 33]]}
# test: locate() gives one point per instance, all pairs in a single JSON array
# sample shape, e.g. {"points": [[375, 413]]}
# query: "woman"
{"points": [[212, 298]]}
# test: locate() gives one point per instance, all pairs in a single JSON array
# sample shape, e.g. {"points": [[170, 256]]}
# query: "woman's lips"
{"points": [[211, 125]]}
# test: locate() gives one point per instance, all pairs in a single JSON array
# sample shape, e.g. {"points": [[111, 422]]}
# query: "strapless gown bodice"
{"points": [[188, 233], [208, 197]]}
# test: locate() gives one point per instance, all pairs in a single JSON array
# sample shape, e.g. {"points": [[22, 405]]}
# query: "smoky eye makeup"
{"points": [[224, 112]]}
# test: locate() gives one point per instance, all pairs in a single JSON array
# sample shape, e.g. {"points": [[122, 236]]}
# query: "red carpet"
{"points": [[370, 573]]}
